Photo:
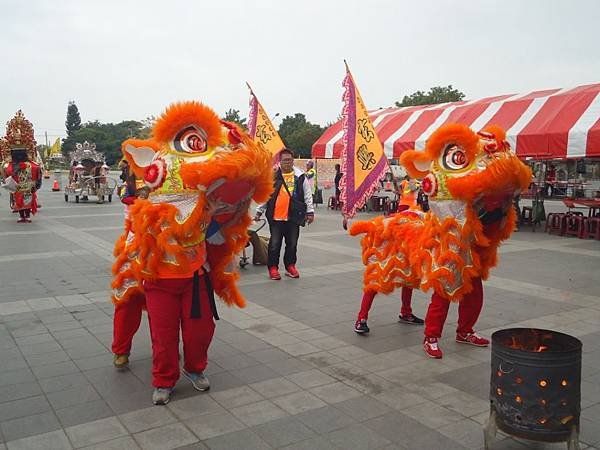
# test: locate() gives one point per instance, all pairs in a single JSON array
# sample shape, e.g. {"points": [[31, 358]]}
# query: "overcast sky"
{"points": [[125, 59]]}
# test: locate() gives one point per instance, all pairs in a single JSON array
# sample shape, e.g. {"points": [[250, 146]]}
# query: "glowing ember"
{"points": [[543, 383], [564, 382]]}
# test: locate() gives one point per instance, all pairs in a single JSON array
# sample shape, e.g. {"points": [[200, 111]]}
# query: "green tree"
{"points": [[109, 136], [437, 94], [233, 115], [299, 134], [73, 124]]}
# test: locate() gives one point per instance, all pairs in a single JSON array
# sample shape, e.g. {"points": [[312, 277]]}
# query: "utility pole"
{"points": [[46, 136]]}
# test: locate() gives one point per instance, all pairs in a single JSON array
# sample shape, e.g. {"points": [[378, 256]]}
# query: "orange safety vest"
{"points": [[407, 196]]}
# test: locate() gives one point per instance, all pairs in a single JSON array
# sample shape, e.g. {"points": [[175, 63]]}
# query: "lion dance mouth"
{"points": [[471, 179], [200, 171]]}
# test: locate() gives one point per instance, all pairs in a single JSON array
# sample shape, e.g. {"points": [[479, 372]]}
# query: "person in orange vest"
{"points": [[408, 190]]}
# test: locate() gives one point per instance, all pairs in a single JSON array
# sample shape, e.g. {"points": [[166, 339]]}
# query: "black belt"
{"points": [[196, 313]]}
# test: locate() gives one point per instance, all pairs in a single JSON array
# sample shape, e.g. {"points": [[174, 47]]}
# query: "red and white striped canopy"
{"points": [[555, 123]]}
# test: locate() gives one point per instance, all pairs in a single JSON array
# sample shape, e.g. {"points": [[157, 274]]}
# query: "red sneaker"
{"points": [[430, 345], [274, 273], [22, 220], [472, 339], [292, 272]]}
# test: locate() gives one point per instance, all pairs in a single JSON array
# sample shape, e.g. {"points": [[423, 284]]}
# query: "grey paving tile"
{"points": [[232, 398], [18, 376], [35, 339], [463, 403], [29, 426], [268, 355], [298, 402], [255, 374], [122, 443], [282, 432], [363, 408], [165, 437], [357, 437], [326, 419], [63, 382], [55, 440], [83, 413], [75, 396], [466, 432], [318, 443], [236, 362], [147, 418], [123, 403], [335, 392], [224, 380], [196, 405], [258, 413], [47, 358], [275, 387], [244, 439], [23, 407], [211, 425], [18, 391], [54, 370], [289, 366], [310, 378], [432, 415], [94, 432]]}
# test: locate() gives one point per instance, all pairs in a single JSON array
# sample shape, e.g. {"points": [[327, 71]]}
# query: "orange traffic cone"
{"points": [[55, 185]]}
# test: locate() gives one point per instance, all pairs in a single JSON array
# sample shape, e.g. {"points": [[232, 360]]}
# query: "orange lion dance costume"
{"points": [[471, 180], [180, 242]]}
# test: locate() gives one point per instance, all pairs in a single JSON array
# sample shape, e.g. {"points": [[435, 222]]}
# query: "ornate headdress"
{"points": [[86, 151], [19, 134]]}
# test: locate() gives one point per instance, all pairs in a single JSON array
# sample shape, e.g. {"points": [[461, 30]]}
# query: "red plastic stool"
{"points": [[556, 223], [391, 207], [591, 228], [527, 215], [574, 225]]}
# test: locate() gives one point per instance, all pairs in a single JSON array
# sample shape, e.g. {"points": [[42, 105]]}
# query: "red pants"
{"points": [[369, 296], [126, 322], [469, 309], [169, 303]]}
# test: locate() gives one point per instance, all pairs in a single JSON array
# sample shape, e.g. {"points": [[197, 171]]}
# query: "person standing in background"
{"points": [[290, 206]]}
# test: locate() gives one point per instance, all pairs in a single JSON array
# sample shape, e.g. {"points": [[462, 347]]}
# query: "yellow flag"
{"points": [[261, 128], [363, 160], [54, 151]]}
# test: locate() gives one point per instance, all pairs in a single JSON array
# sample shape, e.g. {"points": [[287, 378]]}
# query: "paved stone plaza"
{"points": [[286, 372]]}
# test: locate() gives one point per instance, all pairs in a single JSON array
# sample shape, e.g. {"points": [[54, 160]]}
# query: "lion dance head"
{"points": [[200, 171], [471, 180]]}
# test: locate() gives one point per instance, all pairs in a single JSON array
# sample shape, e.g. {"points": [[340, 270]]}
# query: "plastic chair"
{"points": [[574, 226], [591, 228], [527, 215], [556, 223]]}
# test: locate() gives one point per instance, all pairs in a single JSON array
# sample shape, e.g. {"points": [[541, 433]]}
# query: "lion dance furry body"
{"points": [[471, 180], [201, 172]]}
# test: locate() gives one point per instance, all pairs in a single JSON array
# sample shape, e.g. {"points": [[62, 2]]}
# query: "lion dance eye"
{"points": [[190, 140], [454, 158]]}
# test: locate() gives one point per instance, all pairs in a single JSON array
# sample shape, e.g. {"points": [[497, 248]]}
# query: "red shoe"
{"points": [[274, 273], [22, 220], [472, 339], [292, 272], [430, 345], [28, 220]]}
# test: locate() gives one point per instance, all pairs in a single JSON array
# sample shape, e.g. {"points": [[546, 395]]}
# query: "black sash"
{"points": [[196, 313]]}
